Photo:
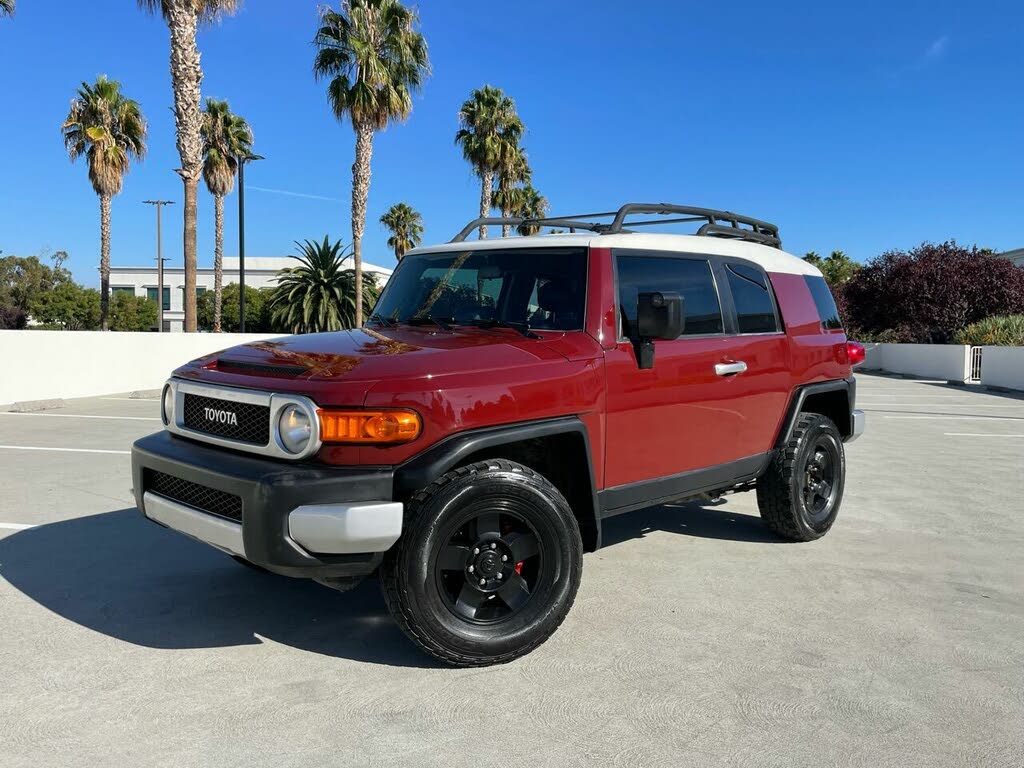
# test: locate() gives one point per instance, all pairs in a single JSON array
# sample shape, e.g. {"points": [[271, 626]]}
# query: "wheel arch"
{"points": [[834, 399], [559, 449]]}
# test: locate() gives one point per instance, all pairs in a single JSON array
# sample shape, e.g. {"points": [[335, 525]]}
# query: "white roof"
{"points": [[770, 259]]}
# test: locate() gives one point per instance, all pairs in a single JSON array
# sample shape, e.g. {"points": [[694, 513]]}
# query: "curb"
{"points": [[28, 406]]}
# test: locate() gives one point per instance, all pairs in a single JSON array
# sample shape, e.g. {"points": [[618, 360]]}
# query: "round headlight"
{"points": [[167, 405], [295, 429]]}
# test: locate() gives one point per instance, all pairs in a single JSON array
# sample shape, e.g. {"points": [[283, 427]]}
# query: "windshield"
{"points": [[537, 288]]}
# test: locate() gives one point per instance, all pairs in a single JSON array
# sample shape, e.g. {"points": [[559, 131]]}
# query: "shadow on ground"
{"points": [[120, 575]]}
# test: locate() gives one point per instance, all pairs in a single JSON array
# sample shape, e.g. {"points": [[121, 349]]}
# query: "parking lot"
{"points": [[697, 638]]}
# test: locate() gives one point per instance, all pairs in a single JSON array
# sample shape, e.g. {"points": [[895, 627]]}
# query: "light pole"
{"points": [[242, 160], [159, 264]]}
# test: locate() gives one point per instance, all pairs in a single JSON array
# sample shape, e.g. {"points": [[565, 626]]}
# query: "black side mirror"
{"points": [[658, 316]]}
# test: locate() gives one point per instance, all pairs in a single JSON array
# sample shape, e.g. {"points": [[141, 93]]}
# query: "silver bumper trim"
{"points": [[209, 529], [858, 418], [346, 529]]}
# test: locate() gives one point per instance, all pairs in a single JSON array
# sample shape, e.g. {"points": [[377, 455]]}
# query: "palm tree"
{"points": [[109, 130], [319, 295], [6, 7], [375, 59], [226, 137], [532, 205], [513, 169], [183, 18], [406, 227], [489, 129]]}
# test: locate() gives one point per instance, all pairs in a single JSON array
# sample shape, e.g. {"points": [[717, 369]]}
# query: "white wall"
{"points": [[1003, 367], [41, 365], [948, 362]]}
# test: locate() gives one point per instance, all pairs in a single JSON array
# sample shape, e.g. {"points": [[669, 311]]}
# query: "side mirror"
{"points": [[658, 316]]}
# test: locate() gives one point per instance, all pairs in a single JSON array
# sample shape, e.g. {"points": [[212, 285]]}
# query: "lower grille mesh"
{"points": [[191, 494]]}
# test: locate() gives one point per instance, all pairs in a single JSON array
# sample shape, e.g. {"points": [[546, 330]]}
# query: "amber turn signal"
{"points": [[368, 427]]}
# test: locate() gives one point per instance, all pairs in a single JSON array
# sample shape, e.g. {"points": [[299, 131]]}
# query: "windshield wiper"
{"points": [[442, 322], [387, 322], [523, 328]]}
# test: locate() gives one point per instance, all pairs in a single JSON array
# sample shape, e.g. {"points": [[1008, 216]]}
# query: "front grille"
{"points": [[194, 495], [244, 422]]}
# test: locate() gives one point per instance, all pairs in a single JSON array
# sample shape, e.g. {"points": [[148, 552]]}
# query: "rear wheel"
{"points": [[800, 494], [488, 564]]}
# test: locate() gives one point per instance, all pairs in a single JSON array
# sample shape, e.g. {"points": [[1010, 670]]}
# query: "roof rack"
{"points": [[715, 223]]}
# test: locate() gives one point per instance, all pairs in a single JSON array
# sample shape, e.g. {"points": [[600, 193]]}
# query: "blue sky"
{"points": [[862, 126]]}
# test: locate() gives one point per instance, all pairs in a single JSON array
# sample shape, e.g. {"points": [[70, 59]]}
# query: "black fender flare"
{"points": [[425, 467], [799, 397]]}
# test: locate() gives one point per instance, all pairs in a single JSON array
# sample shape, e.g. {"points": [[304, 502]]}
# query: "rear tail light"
{"points": [[855, 352]]}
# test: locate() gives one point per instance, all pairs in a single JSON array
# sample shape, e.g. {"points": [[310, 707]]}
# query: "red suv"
{"points": [[504, 398]]}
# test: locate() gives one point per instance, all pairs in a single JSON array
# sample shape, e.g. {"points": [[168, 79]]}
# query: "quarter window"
{"points": [[755, 310], [828, 313], [690, 278]]}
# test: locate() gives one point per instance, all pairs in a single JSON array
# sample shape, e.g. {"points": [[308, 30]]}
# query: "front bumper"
{"points": [[302, 520]]}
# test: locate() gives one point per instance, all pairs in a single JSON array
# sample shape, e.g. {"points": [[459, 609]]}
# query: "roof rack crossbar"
{"points": [[716, 223]]}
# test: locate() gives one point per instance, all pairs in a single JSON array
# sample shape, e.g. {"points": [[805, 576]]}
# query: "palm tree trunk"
{"points": [[486, 189], [360, 193], [506, 229], [186, 76], [218, 259], [104, 260]]}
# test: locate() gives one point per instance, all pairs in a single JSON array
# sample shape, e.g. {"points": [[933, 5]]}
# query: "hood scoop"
{"points": [[259, 369]]}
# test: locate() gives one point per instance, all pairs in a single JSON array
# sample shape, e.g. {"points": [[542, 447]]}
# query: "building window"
{"points": [[127, 290], [151, 295]]}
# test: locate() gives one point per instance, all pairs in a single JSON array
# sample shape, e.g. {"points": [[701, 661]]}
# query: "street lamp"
{"points": [[242, 160], [159, 264]]}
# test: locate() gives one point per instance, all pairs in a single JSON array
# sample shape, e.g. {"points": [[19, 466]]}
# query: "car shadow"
{"points": [[118, 574], [689, 518]]}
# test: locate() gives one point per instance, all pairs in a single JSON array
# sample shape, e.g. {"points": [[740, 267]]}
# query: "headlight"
{"points": [[167, 405], [294, 428]]}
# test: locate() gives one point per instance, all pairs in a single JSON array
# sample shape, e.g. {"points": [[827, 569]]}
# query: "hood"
{"points": [[369, 354]]}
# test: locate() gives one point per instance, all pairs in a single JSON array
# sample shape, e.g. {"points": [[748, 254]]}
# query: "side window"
{"points": [[690, 278], [827, 310], [755, 309]]}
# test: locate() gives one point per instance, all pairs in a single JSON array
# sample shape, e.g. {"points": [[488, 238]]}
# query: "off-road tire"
{"points": [[781, 490], [415, 584]]}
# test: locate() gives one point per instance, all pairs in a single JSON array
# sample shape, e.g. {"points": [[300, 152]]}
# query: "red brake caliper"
{"points": [[519, 568]]}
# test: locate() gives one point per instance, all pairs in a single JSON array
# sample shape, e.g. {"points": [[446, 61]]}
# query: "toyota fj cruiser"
{"points": [[504, 398]]}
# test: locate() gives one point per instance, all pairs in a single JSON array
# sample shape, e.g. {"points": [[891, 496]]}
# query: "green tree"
{"points": [[226, 137], [109, 130], [837, 267], [183, 18], [406, 227], [132, 313], [489, 131], [319, 294], [375, 59], [532, 205], [70, 306], [513, 170], [25, 280], [257, 314], [6, 7]]}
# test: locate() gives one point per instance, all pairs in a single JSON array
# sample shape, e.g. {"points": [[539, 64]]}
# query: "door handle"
{"points": [[730, 369]]}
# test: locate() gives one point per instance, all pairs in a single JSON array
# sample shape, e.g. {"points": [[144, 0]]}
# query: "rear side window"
{"points": [[690, 278], [755, 308], [828, 313]]}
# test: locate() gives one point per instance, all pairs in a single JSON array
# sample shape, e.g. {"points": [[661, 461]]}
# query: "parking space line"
{"points": [[81, 416], [132, 399], [942, 405], [959, 418], [15, 527], [977, 434], [62, 450]]}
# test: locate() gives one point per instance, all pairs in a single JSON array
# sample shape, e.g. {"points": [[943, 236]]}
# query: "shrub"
{"points": [[928, 294], [999, 331]]}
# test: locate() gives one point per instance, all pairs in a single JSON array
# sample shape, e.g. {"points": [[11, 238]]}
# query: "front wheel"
{"points": [[488, 564], [800, 494]]}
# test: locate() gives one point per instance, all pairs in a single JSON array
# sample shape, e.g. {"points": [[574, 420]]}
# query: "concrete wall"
{"points": [[947, 362], [1003, 367], [40, 365]]}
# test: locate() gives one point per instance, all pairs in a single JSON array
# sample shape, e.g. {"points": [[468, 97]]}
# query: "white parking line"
{"points": [[133, 399], [15, 526], [959, 418], [82, 416], [943, 405], [62, 450], [977, 434]]}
